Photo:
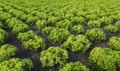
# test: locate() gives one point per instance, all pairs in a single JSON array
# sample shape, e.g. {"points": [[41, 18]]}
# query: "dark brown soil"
{"points": [[35, 56]]}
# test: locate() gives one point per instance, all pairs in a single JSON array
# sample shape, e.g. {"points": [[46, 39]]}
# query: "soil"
{"points": [[35, 56]]}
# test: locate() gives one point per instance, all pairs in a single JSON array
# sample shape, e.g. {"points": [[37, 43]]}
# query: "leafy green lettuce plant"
{"points": [[95, 34], [7, 51], [53, 56], [114, 43], [74, 66], [16, 64], [78, 43]]}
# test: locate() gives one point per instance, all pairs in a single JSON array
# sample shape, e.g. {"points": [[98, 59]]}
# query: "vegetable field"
{"points": [[59, 35]]}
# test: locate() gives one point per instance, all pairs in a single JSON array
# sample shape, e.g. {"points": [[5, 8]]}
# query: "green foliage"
{"points": [[47, 15], [69, 16], [106, 20], [20, 28], [55, 37], [16, 13], [104, 59], [95, 34], [77, 43], [117, 56], [113, 17], [4, 16], [53, 20], [1, 25], [81, 13], [3, 33], [66, 24], [79, 20], [53, 56], [26, 36], [12, 22], [94, 23], [23, 17], [78, 29], [47, 30], [16, 64], [3, 36], [31, 20], [76, 66], [92, 17], [7, 51], [35, 44], [112, 28], [35, 13], [1, 9], [19, 13], [114, 43], [41, 24], [117, 24], [43, 15]]}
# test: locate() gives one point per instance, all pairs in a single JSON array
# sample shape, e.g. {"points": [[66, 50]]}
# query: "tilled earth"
{"points": [[35, 56]]}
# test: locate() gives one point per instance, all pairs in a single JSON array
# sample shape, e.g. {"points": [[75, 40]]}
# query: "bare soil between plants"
{"points": [[35, 56]]}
